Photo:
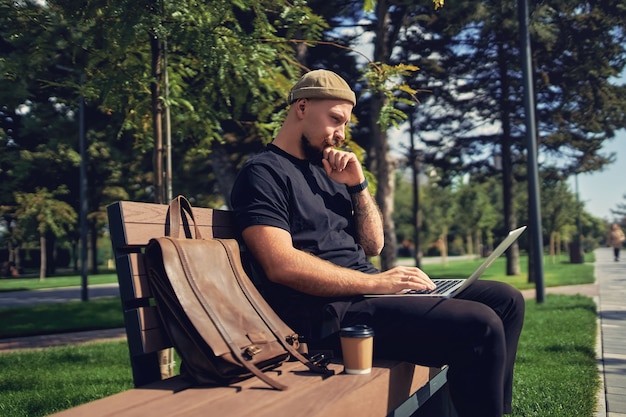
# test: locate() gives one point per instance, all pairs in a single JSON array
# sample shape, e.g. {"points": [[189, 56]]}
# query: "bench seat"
{"points": [[380, 393]]}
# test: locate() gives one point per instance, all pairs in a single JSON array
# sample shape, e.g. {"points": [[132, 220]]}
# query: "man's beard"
{"points": [[312, 154]]}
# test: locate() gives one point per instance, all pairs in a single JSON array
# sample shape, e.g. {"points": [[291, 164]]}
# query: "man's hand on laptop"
{"points": [[402, 278]]}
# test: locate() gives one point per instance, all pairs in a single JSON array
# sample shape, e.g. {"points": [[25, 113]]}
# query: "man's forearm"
{"points": [[286, 265], [312, 275], [369, 222]]}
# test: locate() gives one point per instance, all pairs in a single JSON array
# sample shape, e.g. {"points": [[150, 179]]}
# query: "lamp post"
{"points": [[84, 294], [578, 209], [576, 247], [10, 146], [535, 238], [415, 167]]}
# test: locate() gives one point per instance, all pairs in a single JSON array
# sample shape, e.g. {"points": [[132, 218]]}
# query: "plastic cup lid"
{"points": [[359, 330]]}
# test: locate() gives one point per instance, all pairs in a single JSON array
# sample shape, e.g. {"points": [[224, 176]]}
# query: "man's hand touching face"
{"points": [[342, 166]]}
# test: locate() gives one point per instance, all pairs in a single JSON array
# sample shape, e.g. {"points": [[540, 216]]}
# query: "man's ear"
{"points": [[301, 104]]}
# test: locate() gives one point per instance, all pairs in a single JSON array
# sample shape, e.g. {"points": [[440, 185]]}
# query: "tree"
{"points": [[469, 59], [228, 71], [439, 207], [476, 215], [620, 211], [41, 213], [559, 213]]}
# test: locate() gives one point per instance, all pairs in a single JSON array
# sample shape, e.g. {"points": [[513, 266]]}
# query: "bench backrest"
{"points": [[132, 225]]}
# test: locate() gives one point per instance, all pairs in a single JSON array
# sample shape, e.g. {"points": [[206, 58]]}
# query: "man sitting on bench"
{"points": [[309, 221]]}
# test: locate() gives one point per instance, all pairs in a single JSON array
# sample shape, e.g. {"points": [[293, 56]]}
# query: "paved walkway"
{"points": [[611, 279], [609, 292], [55, 295]]}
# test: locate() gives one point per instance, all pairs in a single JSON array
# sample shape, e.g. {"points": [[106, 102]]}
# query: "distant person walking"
{"points": [[616, 237]]}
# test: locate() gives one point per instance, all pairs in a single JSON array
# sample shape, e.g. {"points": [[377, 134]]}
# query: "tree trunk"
{"points": [[382, 165], [14, 254], [225, 171], [384, 198], [93, 248], [508, 183], [552, 247], [74, 245], [478, 243], [42, 257], [166, 357], [443, 239], [50, 254], [470, 243], [383, 169], [157, 116]]}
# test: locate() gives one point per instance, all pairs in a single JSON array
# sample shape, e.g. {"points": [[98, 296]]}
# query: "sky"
{"points": [[603, 191]]}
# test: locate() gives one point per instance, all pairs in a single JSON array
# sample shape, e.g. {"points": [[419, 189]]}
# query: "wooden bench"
{"points": [[392, 389]]}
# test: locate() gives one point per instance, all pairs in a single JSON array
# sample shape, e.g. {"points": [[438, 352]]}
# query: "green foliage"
{"points": [[480, 107], [559, 209], [230, 65], [441, 208], [476, 215], [474, 208], [620, 211], [41, 212], [370, 5], [388, 81]]}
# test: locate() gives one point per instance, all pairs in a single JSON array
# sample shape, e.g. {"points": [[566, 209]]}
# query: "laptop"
{"points": [[449, 288]]}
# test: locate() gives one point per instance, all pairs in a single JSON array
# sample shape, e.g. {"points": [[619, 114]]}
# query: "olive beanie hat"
{"points": [[322, 84]]}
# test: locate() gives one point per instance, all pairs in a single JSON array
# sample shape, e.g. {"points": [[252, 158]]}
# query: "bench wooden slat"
{"points": [[143, 221], [340, 395], [132, 277], [378, 393], [145, 334]]}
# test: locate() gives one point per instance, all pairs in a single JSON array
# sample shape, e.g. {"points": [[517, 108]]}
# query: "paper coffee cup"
{"points": [[357, 346]]}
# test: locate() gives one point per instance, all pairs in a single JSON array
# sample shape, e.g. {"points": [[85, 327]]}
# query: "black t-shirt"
{"points": [[277, 189]]}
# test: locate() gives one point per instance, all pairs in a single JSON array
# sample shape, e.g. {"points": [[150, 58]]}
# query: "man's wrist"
{"points": [[355, 189]]}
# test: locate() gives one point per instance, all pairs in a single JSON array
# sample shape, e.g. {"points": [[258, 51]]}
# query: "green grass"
{"points": [[559, 273], [38, 383], [555, 374], [33, 283], [103, 313]]}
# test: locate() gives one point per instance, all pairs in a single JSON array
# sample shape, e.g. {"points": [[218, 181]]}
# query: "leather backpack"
{"points": [[220, 325]]}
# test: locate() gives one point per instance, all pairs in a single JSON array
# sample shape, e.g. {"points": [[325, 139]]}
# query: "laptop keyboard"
{"points": [[442, 286]]}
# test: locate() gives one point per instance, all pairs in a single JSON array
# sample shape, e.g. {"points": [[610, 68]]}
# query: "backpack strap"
{"points": [[176, 218]]}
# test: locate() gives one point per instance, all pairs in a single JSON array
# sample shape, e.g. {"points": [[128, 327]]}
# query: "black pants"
{"points": [[616, 253], [476, 334]]}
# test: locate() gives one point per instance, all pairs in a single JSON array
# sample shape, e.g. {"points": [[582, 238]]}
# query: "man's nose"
{"points": [[339, 137]]}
